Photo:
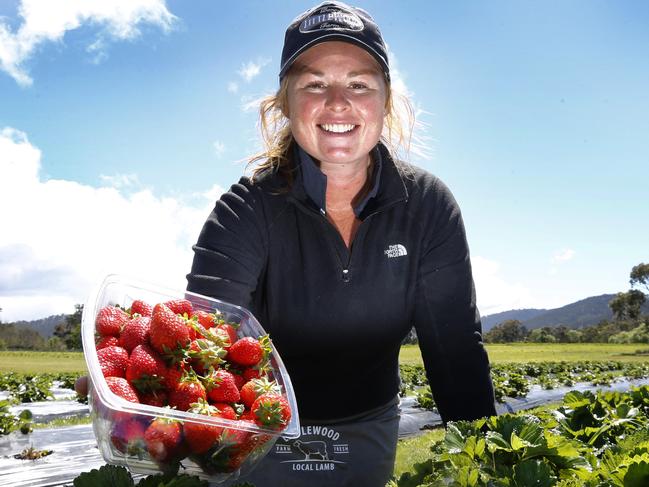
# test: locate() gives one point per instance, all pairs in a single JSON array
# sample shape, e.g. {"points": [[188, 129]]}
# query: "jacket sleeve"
{"points": [[230, 254], [446, 317]]}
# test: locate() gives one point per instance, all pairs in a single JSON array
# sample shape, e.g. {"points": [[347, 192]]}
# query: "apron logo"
{"points": [[319, 454]]}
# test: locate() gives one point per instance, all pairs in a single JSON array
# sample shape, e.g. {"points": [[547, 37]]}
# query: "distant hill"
{"points": [[489, 321], [44, 326], [579, 314]]}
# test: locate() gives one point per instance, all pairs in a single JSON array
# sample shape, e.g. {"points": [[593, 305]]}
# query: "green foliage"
{"points": [[15, 337], [639, 334], [114, 476], [626, 306], [506, 332], [515, 380], [70, 331], [10, 422], [640, 275], [592, 440], [34, 387]]}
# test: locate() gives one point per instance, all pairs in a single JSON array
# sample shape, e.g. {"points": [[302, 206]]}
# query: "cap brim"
{"points": [[337, 36]]}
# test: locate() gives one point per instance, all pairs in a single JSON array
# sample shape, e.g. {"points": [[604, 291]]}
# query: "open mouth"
{"points": [[338, 128]]}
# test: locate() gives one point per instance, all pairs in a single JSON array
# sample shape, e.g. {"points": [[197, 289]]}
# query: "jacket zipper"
{"points": [[339, 243]]}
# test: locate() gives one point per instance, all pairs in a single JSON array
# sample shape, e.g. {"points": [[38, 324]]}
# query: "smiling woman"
{"points": [[339, 248]]}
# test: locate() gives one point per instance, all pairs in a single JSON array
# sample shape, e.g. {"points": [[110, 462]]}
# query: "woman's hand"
{"points": [[81, 386]]}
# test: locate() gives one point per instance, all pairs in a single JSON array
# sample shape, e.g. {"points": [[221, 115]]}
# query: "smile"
{"points": [[338, 128]]}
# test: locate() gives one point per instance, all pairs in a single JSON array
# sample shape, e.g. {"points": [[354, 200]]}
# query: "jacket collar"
{"points": [[387, 186]]}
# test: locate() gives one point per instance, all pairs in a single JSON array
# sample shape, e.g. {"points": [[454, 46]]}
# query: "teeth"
{"points": [[338, 127]]}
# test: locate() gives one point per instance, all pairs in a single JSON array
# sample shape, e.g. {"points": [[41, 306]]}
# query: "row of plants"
{"points": [[34, 387], [10, 422], [592, 440], [516, 379]]}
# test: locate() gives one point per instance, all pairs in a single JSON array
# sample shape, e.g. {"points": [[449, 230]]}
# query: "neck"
{"points": [[346, 184]]}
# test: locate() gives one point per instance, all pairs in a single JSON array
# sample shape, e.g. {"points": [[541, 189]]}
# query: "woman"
{"points": [[339, 249]]}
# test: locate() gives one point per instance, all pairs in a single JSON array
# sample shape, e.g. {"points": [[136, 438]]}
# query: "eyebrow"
{"points": [[303, 68]]}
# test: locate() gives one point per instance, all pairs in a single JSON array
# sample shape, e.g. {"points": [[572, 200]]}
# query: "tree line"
{"points": [[628, 325], [67, 335]]}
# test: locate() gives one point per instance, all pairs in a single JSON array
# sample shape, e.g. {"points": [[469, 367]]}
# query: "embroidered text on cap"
{"points": [[331, 18]]}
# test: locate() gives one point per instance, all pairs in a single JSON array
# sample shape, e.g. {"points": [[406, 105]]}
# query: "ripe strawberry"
{"points": [[230, 330], [173, 375], [135, 332], [225, 410], [145, 370], [169, 333], [254, 388], [180, 306], [110, 320], [201, 436], [188, 391], [271, 410], [238, 377], [107, 341], [127, 436], [154, 398], [250, 373], [163, 438], [221, 386], [121, 387], [113, 361], [141, 308], [205, 319], [248, 351]]}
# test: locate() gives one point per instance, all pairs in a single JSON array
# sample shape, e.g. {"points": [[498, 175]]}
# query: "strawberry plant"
{"points": [[10, 422], [592, 440]]}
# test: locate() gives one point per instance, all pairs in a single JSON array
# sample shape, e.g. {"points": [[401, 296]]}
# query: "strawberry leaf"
{"points": [[170, 480], [106, 476]]}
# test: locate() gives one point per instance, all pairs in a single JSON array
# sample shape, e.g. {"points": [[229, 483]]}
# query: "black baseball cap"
{"points": [[333, 21]]}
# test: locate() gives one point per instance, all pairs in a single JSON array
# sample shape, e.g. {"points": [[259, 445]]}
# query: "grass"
{"points": [[548, 352], [28, 362]]}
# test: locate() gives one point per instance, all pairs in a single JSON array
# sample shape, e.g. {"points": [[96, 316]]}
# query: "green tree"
{"points": [[70, 330], [506, 332], [541, 335], [626, 306], [640, 275]]}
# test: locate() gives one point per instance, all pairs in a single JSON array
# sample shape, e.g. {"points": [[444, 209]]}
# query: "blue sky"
{"points": [[121, 122]]}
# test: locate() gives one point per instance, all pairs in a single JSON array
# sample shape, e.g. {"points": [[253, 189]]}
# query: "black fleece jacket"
{"points": [[337, 316]]}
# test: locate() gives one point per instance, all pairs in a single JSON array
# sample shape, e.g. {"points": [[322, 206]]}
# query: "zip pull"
{"points": [[346, 276]]}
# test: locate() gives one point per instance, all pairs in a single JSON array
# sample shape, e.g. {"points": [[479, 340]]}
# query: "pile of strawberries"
{"points": [[172, 356]]}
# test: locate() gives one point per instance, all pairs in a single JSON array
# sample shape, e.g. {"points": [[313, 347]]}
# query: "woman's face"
{"points": [[336, 103]]}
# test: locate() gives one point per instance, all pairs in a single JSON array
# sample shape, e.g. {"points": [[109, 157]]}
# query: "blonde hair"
{"points": [[274, 125]]}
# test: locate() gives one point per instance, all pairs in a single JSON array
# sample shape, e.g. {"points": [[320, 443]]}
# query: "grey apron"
{"points": [[357, 451]]}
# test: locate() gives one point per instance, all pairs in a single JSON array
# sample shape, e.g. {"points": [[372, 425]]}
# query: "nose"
{"points": [[336, 99]]}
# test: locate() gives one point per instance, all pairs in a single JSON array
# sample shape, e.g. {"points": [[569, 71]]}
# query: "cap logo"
{"points": [[331, 19]]}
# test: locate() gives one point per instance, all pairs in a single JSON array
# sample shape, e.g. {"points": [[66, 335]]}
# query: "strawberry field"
{"points": [[587, 438]]}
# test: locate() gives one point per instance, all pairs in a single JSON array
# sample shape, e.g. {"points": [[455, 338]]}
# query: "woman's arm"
{"points": [[446, 318], [230, 254]]}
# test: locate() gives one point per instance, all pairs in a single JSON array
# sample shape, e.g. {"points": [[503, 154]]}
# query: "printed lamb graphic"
{"points": [[312, 448]]}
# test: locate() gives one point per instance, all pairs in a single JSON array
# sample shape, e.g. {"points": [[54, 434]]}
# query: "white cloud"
{"points": [[494, 294], [558, 258], [65, 236], [563, 255], [219, 148], [252, 69], [120, 180], [233, 87], [46, 21]]}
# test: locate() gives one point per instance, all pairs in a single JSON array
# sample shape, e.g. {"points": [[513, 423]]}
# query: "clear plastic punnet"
{"points": [[150, 439]]}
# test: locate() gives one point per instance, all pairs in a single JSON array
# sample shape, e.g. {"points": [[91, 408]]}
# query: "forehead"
{"points": [[328, 57]]}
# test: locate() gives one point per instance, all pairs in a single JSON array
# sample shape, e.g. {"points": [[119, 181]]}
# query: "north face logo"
{"points": [[396, 250]]}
